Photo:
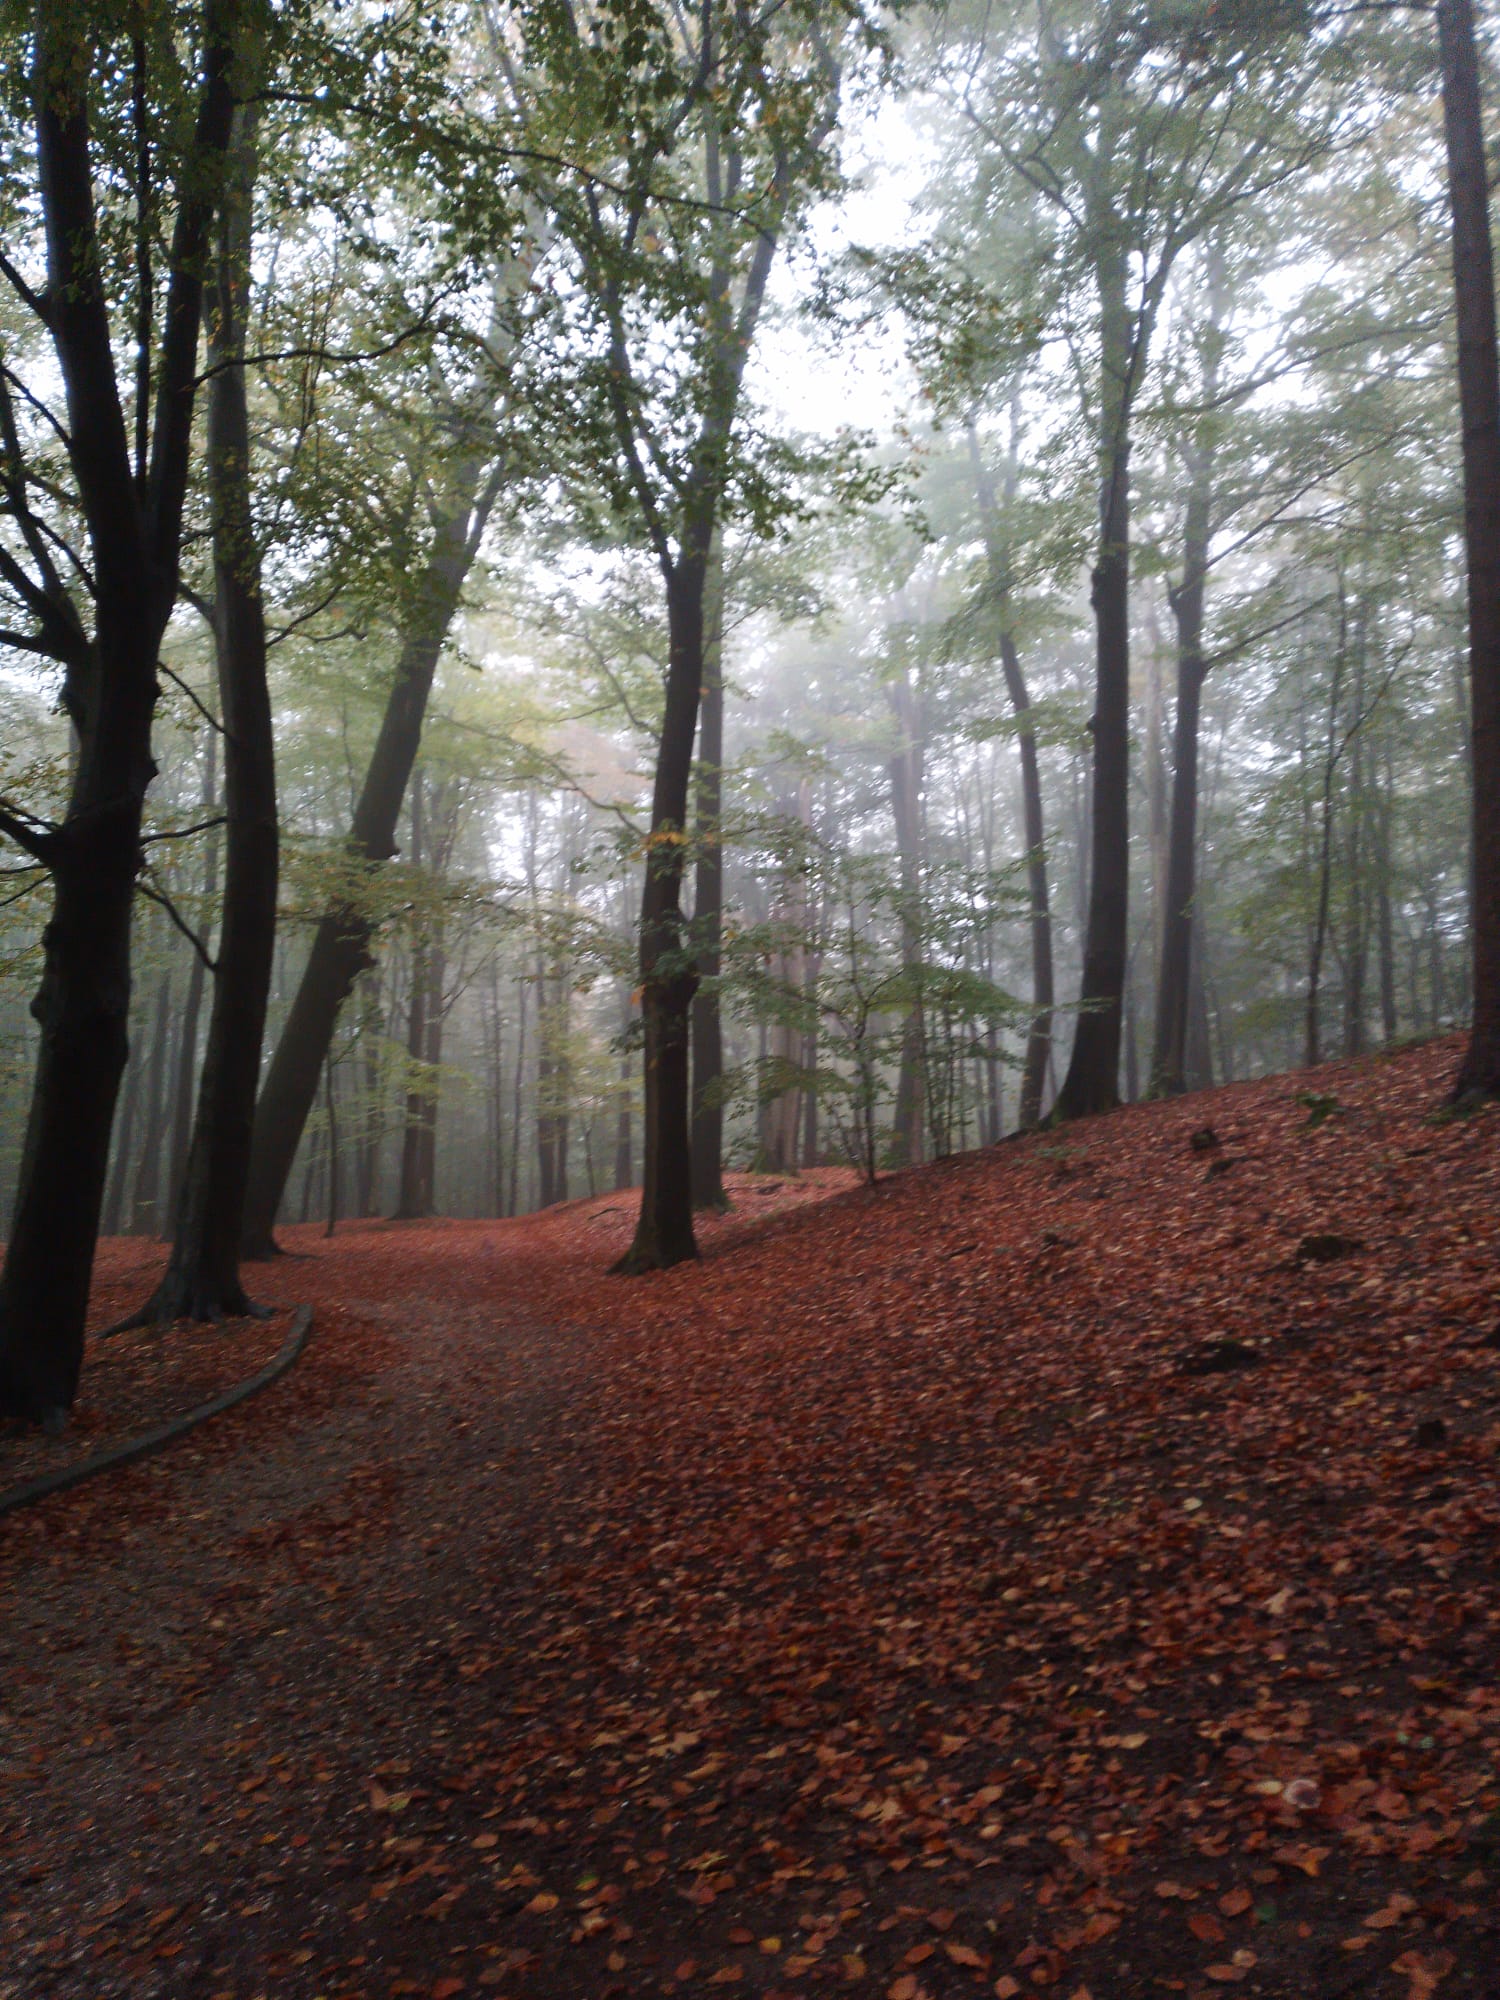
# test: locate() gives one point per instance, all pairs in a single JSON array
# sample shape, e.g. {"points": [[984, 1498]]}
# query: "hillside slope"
{"points": [[1066, 1569]]}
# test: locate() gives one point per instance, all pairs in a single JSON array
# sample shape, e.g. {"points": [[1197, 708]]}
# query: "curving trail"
{"points": [[1043, 1573]]}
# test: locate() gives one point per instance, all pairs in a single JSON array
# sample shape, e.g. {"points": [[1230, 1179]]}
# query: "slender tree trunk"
{"points": [[202, 1280], [909, 1131], [147, 1196], [624, 1137], [1384, 921], [513, 1206], [413, 1200], [114, 1208], [187, 1046], [331, 1110], [341, 944], [1479, 402], [707, 1138]]}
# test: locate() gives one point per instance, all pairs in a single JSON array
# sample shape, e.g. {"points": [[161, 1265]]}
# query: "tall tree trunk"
{"points": [[707, 1138], [341, 943], [1169, 1062], [513, 1204], [1479, 402], [909, 1128], [669, 974], [1092, 1082], [202, 1279], [133, 518]]}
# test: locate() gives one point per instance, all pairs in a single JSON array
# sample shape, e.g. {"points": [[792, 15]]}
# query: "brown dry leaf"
{"points": [[1206, 1927], [1235, 1902]]}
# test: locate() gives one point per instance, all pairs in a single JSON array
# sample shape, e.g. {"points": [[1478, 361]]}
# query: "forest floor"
{"points": [[1071, 1569]]}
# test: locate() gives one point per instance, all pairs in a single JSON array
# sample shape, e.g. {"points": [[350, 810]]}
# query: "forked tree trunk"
{"points": [[133, 518], [1479, 402]]}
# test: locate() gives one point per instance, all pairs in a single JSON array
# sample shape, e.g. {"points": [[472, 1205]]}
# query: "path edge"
{"points": [[163, 1434]]}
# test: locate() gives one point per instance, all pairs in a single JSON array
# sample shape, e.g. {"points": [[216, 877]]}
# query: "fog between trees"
{"points": [[1086, 716]]}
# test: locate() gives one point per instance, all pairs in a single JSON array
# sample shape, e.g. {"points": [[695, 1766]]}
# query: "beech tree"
{"points": [[705, 135]]}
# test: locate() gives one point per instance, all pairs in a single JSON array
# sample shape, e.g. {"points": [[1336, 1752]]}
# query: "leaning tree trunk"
{"points": [[708, 905], [1479, 402], [202, 1279], [133, 518], [341, 944]]}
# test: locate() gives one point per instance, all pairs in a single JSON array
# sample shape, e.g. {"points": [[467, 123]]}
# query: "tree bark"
{"points": [[669, 974], [133, 520], [1092, 1080], [1479, 403]]}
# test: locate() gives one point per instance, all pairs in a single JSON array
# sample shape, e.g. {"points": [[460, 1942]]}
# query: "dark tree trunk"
{"points": [[708, 906], [1479, 402], [202, 1279], [669, 974], [341, 944], [133, 519], [1092, 1081], [331, 1109]]}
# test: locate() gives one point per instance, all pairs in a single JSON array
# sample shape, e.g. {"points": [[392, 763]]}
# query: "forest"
{"points": [[669, 675]]}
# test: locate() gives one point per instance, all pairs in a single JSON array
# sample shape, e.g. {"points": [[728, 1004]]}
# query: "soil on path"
{"points": [[1069, 1569]]}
